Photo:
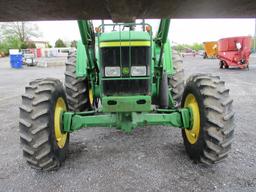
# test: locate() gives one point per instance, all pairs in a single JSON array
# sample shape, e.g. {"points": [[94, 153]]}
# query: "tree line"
{"points": [[17, 35], [184, 47]]}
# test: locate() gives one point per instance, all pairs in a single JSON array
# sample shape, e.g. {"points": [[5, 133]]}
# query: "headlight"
{"points": [[112, 71], [139, 71]]}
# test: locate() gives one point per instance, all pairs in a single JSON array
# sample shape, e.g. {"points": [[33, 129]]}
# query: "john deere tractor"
{"points": [[125, 78]]}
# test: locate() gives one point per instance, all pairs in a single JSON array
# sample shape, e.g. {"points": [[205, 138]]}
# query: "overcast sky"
{"points": [[182, 31]]}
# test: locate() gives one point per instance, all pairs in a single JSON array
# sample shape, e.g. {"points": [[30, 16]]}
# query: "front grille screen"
{"points": [[124, 57], [126, 87]]}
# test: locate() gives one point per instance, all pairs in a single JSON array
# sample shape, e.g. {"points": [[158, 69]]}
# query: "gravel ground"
{"points": [[149, 159]]}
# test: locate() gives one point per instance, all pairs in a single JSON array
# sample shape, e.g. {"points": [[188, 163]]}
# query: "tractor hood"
{"points": [[125, 36]]}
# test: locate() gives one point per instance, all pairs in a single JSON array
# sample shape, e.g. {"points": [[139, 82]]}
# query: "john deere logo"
{"points": [[125, 70]]}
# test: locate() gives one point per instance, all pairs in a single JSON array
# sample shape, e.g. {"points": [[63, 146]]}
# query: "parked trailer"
{"points": [[211, 49], [234, 51]]}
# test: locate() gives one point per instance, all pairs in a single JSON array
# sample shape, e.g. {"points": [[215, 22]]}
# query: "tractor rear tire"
{"points": [[215, 116], [37, 124], [76, 88], [176, 81]]}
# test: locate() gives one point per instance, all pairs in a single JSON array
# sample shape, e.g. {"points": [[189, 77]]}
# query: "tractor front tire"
{"points": [[44, 144], [209, 140], [76, 88], [176, 81]]}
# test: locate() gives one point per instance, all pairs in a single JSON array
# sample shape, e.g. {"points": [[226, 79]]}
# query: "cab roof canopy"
{"points": [[124, 10]]}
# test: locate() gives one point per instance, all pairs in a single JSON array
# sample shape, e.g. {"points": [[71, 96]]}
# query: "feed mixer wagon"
{"points": [[234, 52], [210, 49]]}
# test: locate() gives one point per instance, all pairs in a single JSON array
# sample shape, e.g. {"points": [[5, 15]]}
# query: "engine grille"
{"points": [[125, 57], [126, 87]]}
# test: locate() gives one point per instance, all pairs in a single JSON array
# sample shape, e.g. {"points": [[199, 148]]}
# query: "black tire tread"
{"points": [[176, 81], [76, 88], [220, 117], [34, 124]]}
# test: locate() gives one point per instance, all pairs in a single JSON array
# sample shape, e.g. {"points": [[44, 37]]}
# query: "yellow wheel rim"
{"points": [[60, 137], [193, 134], [91, 97]]}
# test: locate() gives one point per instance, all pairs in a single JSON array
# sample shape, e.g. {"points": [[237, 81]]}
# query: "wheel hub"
{"points": [[60, 137], [193, 133], [91, 97]]}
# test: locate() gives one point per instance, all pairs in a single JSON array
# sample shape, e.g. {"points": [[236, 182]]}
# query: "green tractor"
{"points": [[125, 79]]}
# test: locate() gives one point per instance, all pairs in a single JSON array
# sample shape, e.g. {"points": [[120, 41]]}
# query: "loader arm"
{"points": [[88, 38], [162, 33], [161, 38]]}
